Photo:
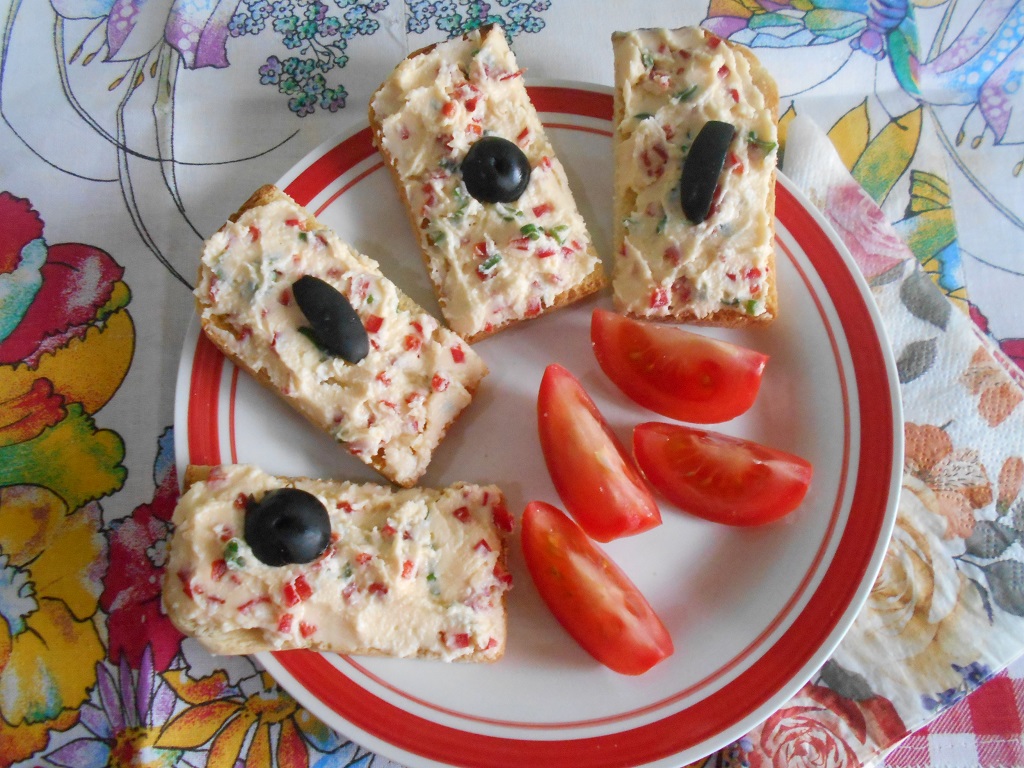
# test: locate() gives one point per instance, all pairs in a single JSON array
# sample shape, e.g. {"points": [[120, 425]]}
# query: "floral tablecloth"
{"points": [[131, 128]]}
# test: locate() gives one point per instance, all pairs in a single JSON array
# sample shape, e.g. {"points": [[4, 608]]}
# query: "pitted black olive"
{"points": [[287, 526], [336, 327], [702, 167], [495, 170]]}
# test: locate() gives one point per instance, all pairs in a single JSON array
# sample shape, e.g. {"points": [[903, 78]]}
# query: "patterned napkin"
{"points": [[947, 609]]}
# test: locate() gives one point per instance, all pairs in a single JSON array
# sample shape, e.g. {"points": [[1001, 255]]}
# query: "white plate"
{"points": [[753, 612]]}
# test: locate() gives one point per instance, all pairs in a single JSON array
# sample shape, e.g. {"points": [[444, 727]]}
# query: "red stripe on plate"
{"points": [[203, 440], [329, 166], [571, 101], [231, 415]]}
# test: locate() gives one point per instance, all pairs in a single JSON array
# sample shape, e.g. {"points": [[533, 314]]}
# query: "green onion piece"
{"points": [[750, 306], [646, 59], [231, 556], [490, 263], [661, 224], [765, 146], [555, 233], [685, 95], [644, 116], [531, 231]]}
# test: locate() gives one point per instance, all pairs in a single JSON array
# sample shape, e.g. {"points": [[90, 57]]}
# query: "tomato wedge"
{"points": [[676, 373], [590, 595], [721, 478], [592, 472]]}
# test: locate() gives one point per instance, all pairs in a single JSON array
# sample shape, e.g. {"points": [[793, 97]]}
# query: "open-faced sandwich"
{"points": [[695, 155], [488, 200], [319, 324], [262, 563]]}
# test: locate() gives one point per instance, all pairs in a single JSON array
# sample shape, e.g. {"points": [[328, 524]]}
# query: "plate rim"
{"points": [[594, 103]]}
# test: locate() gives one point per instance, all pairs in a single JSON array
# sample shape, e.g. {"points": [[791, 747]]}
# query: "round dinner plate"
{"points": [[753, 612]]}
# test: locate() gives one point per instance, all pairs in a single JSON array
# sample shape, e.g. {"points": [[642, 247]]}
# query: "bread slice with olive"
{"points": [[489, 202], [265, 563], [316, 322], [695, 143]]}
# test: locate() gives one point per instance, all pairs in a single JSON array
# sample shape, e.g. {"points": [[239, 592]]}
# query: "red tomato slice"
{"points": [[676, 373], [590, 595], [721, 478], [592, 472]]}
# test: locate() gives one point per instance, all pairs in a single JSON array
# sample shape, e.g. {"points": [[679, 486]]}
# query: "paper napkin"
{"points": [[947, 609]]}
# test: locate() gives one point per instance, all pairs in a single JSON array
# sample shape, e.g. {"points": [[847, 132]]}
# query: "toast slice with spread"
{"points": [[392, 408], [418, 573], [496, 256], [720, 268]]}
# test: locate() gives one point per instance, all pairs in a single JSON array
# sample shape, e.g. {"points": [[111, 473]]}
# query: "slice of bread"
{"points": [[411, 573], [721, 271], [492, 264], [393, 407]]}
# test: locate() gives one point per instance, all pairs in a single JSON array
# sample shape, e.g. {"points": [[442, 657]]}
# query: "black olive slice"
{"points": [[335, 325], [702, 167], [495, 170], [287, 526]]}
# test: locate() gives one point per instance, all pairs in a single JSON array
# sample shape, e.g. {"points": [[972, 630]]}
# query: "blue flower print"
{"points": [[259, 9], [533, 24], [302, 105], [317, 32], [355, 13], [281, 9], [367, 26], [450, 24], [517, 12], [456, 17], [333, 99], [316, 11], [270, 73], [329, 27]]}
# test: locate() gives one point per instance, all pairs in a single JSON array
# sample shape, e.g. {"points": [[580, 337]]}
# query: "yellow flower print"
{"points": [[923, 616], [218, 713], [49, 592]]}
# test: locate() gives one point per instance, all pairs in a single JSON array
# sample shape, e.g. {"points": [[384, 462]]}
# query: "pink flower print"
{"points": [[132, 589], [863, 227]]}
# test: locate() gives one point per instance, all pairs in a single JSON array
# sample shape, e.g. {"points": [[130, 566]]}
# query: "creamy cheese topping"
{"points": [[670, 83], [394, 405], [408, 573], [493, 262]]}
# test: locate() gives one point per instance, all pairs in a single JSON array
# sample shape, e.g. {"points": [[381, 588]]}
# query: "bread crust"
{"points": [[244, 641], [266, 194], [725, 317], [593, 283]]}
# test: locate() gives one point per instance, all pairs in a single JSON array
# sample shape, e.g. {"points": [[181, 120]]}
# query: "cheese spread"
{"points": [[491, 262], [408, 573], [670, 83], [389, 409]]}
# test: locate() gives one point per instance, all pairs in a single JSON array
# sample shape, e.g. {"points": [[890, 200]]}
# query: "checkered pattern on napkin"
{"points": [[947, 609], [983, 730]]}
